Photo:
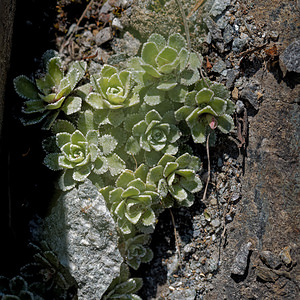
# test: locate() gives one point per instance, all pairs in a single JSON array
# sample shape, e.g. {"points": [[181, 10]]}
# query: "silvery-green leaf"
{"points": [[151, 70], [130, 191], [100, 165], [33, 106], [162, 188], [176, 41], [166, 56], [108, 144], [49, 119], [158, 39], [171, 149], [170, 168], [152, 115], [108, 71], [141, 172], [170, 67], [194, 62], [148, 217], [81, 173], [218, 105], [55, 105], [92, 137], [115, 164], [220, 90], [132, 146], [63, 126], [183, 59], [183, 112], [131, 120], [62, 138], [54, 69], [230, 108], [26, 88], [189, 76], [95, 100], [45, 84], [124, 178], [155, 174], [193, 118], [77, 136], [167, 85], [202, 83], [193, 186], [204, 96], [149, 52], [66, 181], [225, 123], [199, 133], [51, 161], [178, 192], [71, 105], [139, 184], [86, 121], [116, 117], [154, 96]]}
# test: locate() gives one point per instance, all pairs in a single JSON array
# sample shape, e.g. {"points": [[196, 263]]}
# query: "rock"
{"points": [[219, 66], [285, 256], [228, 34], [81, 231], [218, 7], [239, 107], [239, 44], [215, 223], [240, 263], [214, 30], [105, 8], [230, 77], [116, 23], [104, 36], [289, 60], [128, 45], [249, 93], [187, 294], [270, 259]]}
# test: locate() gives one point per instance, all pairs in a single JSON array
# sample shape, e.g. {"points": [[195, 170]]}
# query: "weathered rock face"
{"points": [[268, 214]]}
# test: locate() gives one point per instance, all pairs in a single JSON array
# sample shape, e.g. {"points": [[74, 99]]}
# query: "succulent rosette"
{"points": [[131, 202], [154, 133], [113, 89], [165, 66], [136, 250], [78, 153], [50, 93], [176, 177], [206, 108]]}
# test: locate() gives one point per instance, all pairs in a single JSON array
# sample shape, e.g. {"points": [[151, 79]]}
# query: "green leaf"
{"points": [[199, 133], [108, 144], [95, 100], [115, 164], [139, 128], [25, 88], [166, 56], [54, 69], [204, 96], [178, 93], [183, 112], [129, 192], [178, 192], [176, 41], [162, 188], [148, 217], [100, 165], [218, 105], [183, 58], [194, 62], [86, 121], [225, 123], [189, 76], [154, 96], [158, 39], [193, 185], [152, 115], [124, 178], [149, 52], [220, 90], [170, 168], [71, 105], [139, 184], [63, 126], [108, 71], [51, 161], [116, 117], [141, 172], [167, 85], [33, 106], [151, 70], [77, 136], [132, 146], [115, 195], [66, 181], [81, 173], [155, 174], [62, 138], [230, 108]]}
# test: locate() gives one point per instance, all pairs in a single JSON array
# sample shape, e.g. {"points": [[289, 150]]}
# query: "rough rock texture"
{"points": [[81, 231]]}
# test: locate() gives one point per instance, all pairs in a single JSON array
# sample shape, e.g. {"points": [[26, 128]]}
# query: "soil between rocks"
{"points": [[253, 196]]}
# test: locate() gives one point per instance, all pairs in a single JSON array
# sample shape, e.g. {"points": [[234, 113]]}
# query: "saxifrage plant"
{"points": [[127, 138]]}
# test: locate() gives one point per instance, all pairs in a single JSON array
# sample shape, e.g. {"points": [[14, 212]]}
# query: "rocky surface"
{"points": [[242, 240]]}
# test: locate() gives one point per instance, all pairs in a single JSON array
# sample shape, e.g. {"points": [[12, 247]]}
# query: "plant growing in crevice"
{"points": [[52, 92], [125, 137]]}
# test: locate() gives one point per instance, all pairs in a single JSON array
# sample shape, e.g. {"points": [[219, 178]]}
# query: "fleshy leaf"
{"points": [[115, 164], [71, 105], [26, 88]]}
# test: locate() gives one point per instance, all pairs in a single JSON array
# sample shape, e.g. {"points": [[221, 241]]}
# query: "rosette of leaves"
{"points": [[206, 108], [124, 287], [113, 89], [154, 133], [165, 66], [132, 201], [15, 289], [136, 250], [52, 92], [77, 151], [176, 178]]}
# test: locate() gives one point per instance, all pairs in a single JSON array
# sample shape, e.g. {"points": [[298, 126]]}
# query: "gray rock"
{"points": [[105, 8], [219, 66], [128, 45], [218, 7], [249, 93], [240, 263], [81, 231], [116, 23], [270, 259], [104, 36], [187, 294], [230, 78], [239, 44], [215, 223], [290, 59], [214, 30], [228, 34]]}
